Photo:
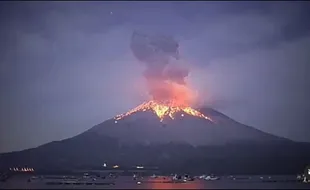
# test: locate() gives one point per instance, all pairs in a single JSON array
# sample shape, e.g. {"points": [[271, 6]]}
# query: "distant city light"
{"points": [[115, 121], [25, 169], [182, 115], [115, 166], [139, 167], [104, 165]]}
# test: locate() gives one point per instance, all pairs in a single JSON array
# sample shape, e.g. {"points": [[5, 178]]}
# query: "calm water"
{"points": [[148, 183]]}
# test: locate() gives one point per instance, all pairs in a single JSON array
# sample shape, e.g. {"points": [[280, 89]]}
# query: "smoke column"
{"points": [[156, 53]]}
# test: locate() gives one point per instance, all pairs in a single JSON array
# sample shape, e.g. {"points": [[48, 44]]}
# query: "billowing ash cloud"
{"points": [[158, 53]]}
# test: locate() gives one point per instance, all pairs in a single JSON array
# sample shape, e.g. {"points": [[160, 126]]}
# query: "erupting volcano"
{"points": [[165, 76], [169, 114], [165, 131]]}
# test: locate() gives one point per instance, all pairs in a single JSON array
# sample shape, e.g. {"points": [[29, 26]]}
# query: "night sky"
{"points": [[67, 66]]}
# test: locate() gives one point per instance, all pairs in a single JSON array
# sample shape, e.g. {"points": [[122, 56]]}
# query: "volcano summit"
{"points": [[163, 110]]}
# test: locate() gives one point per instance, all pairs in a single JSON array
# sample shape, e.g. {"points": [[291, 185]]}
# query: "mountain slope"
{"points": [[186, 143], [145, 127]]}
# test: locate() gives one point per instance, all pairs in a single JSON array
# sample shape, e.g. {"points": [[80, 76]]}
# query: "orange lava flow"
{"points": [[162, 110]]}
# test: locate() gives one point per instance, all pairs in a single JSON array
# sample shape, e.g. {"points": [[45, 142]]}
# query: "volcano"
{"points": [[180, 142], [151, 122]]}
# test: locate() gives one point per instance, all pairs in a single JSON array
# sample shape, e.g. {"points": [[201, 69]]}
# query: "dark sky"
{"points": [[67, 66]]}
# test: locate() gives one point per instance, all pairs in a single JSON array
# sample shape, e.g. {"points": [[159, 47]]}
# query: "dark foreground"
{"points": [[127, 182]]}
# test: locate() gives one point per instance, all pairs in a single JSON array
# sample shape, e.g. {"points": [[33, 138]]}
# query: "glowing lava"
{"points": [[163, 110]]}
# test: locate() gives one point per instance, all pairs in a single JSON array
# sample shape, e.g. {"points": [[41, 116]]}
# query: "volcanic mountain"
{"points": [[174, 140], [149, 125]]}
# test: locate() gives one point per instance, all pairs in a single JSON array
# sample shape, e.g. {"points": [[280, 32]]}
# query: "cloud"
{"points": [[253, 67], [269, 85], [231, 33]]}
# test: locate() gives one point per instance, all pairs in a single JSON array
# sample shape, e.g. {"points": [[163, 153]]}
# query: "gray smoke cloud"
{"points": [[156, 52]]}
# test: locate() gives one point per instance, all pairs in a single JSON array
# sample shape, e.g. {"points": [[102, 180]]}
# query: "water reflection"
{"points": [[167, 184]]}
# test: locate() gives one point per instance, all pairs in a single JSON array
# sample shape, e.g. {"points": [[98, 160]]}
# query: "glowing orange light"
{"points": [[169, 99], [162, 110]]}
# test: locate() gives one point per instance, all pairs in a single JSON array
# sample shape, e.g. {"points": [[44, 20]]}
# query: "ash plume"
{"points": [[160, 55]]}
